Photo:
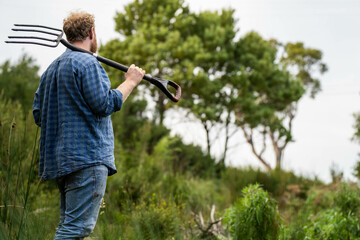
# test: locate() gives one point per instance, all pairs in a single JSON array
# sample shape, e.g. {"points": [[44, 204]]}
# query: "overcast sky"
{"points": [[322, 128]]}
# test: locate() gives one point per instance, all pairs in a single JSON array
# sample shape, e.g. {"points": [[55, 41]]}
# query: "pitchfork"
{"points": [[58, 33]]}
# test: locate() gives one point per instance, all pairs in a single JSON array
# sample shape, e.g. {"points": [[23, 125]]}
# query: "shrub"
{"points": [[329, 212], [157, 219], [333, 225], [254, 216], [347, 199]]}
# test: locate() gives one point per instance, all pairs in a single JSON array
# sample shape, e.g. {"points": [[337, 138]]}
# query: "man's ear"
{"points": [[92, 33]]}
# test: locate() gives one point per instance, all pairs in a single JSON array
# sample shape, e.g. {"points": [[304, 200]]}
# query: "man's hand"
{"points": [[133, 77]]}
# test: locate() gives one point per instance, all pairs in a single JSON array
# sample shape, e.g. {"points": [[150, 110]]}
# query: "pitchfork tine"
{"points": [[31, 37], [36, 29], [38, 26], [36, 43], [33, 30]]}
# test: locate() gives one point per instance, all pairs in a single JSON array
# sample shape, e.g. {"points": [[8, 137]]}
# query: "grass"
{"points": [[20, 216]]}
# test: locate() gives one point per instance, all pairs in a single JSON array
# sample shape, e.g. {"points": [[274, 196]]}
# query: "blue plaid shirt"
{"points": [[72, 106]]}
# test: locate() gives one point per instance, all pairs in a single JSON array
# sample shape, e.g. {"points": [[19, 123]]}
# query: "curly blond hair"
{"points": [[77, 26]]}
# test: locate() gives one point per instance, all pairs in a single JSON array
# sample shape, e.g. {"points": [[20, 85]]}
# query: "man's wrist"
{"points": [[131, 83], [126, 88]]}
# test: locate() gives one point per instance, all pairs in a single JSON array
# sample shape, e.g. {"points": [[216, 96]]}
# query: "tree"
{"points": [[217, 32], [19, 81], [171, 42], [251, 83], [155, 36], [270, 89]]}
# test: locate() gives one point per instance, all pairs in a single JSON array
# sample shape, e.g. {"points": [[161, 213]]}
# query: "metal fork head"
{"points": [[58, 33]]}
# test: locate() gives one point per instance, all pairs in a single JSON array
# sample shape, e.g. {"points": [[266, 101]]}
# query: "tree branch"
{"points": [[249, 139]]}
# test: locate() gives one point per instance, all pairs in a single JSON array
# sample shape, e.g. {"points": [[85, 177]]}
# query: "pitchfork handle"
{"points": [[160, 83]]}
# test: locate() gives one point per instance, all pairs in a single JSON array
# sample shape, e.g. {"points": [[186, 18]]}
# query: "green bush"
{"points": [[319, 199], [274, 182], [329, 212], [157, 219], [333, 225], [347, 199], [198, 194], [255, 216]]}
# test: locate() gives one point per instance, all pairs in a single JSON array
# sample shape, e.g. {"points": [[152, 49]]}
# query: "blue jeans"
{"points": [[81, 193]]}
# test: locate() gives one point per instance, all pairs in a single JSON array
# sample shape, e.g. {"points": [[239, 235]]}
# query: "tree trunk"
{"points": [[261, 159], [161, 108], [249, 139], [279, 156], [279, 143], [278, 150], [227, 136], [207, 130]]}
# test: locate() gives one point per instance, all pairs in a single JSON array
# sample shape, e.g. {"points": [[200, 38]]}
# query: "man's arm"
{"points": [[96, 91], [133, 77]]}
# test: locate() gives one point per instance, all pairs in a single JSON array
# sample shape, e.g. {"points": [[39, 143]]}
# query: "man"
{"points": [[72, 106]]}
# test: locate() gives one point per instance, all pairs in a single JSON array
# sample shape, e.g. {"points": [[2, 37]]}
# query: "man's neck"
{"points": [[83, 44]]}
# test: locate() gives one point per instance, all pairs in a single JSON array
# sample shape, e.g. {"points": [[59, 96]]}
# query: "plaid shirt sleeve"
{"points": [[102, 100], [36, 109]]}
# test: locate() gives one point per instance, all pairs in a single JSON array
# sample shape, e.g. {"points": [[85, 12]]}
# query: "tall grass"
{"points": [[18, 174]]}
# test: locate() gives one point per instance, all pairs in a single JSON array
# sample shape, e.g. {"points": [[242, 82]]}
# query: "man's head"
{"points": [[78, 26]]}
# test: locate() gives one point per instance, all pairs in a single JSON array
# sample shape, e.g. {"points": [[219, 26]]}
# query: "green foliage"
{"points": [[129, 122], [251, 83], [152, 218], [171, 42], [254, 216], [348, 200], [266, 88], [198, 194], [187, 158], [356, 172], [24, 204], [344, 197], [356, 126], [356, 138], [304, 61], [318, 200], [20, 80], [274, 182], [332, 225], [157, 219], [269, 89], [163, 167], [151, 40], [161, 181], [329, 212]]}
